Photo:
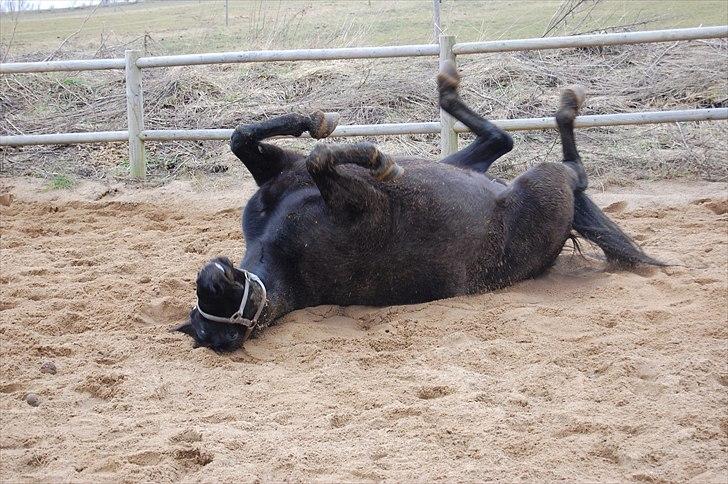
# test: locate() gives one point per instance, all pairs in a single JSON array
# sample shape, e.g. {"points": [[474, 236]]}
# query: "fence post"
{"points": [[135, 114], [448, 136], [436, 19]]}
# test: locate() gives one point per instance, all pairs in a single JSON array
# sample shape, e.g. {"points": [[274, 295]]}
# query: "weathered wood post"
{"points": [[135, 114], [436, 19], [448, 136]]}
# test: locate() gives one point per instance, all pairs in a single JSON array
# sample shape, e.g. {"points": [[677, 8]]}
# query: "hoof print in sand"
{"points": [[718, 206], [104, 387], [163, 311], [616, 207], [188, 436], [429, 393], [193, 456]]}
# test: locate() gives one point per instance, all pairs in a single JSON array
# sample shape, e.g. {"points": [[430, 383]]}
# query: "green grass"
{"points": [[73, 81], [61, 182], [191, 26]]}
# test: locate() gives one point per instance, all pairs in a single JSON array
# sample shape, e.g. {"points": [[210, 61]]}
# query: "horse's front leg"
{"points": [[491, 142], [264, 160], [347, 194]]}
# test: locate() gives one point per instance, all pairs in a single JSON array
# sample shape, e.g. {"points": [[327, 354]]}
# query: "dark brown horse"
{"points": [[347, 224]]}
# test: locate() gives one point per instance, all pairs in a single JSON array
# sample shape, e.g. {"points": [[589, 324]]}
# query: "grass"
{"points": [[175, 26], [73, 81], [61, 182]]}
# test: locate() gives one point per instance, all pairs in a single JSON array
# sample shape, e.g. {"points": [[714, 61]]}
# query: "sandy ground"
{"points": [[583, 374]]}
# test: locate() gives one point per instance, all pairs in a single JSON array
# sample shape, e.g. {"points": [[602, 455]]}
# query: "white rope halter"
{"points": [[237, 317]]}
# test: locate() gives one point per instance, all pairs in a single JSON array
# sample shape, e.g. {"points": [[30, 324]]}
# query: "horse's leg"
{"points": [[571, 100], [546, 202], [347, 194], [538, 207], [491, 142], [264, 160]]}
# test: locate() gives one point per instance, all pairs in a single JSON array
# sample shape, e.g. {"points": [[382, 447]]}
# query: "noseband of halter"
{"points": [[237, 317]]}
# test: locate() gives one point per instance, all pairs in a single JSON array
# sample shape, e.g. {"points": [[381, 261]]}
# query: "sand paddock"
{"points": [[584, 374]]}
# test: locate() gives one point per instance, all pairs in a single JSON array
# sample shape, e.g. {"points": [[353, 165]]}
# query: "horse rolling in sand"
{"points": [[350, 225]]}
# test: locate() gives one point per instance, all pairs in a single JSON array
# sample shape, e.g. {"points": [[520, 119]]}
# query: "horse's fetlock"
{"points": [[448, 78], [573, 97], [565, 116]]}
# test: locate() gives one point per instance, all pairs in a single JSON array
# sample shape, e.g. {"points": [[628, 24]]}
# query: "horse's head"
{"points": [[216, 321]]}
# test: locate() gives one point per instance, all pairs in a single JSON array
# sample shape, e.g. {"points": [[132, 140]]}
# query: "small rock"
{"points": [[6, 199], [218, 168], [144, 279], [48, 367], [32, 399]]}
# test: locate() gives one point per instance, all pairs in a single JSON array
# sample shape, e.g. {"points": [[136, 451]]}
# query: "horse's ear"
{"points": [[185, 328]]}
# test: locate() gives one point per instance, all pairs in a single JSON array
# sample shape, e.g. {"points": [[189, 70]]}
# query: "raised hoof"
{"points": [[388, 172], [573, 97], [323, 124], [448, 77]]}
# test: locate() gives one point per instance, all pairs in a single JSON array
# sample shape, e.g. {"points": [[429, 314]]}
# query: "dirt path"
{"points": [[584, 374]]}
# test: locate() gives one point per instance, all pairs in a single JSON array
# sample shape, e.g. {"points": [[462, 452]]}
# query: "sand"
{"points": [[586, 373]]}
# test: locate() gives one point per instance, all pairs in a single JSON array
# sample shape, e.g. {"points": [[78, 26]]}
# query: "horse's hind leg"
{"points": [[491, 142], [538, 207], [347, 194], [264, 160], [589, 220]]}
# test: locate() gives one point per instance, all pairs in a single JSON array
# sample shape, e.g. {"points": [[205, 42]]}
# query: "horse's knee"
{"points": [[241, 139], [505, 142]]}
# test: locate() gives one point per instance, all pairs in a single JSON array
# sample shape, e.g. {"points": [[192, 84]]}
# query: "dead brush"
{"points": [[619, 79]]}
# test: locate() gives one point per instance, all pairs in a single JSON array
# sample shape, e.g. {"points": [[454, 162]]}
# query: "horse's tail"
{"points": [[594, 225]]}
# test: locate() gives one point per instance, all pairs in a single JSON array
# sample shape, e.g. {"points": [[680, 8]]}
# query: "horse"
{"points": [[349, 225]]}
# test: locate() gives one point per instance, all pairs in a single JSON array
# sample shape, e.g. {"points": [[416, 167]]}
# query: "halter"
{"points": [[237, 317]]}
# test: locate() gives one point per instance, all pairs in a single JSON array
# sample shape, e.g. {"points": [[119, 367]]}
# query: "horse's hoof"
{"points": [[323, 124], [389, 172], [573, 97], [448, 77]]}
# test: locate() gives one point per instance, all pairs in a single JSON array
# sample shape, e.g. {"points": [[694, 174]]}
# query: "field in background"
{"points": [[199, 26], [619, 79]]}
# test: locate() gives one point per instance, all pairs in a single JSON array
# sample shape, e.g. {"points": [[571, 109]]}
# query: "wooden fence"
{"points": [[448, 49]]}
